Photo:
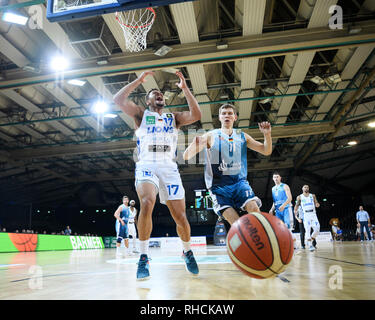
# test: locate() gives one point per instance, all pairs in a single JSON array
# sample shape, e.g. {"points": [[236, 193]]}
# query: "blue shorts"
{"points": [[232, 196], [285, 216], [122, 231]]}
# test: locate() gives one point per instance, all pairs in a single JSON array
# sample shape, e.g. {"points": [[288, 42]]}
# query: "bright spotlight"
{"points": [[100, 107], [59, 63]]}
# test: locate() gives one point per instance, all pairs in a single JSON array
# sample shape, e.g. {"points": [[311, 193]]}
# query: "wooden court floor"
{"points": [[335, 271]]}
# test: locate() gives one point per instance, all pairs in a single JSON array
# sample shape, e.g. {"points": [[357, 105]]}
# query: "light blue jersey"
{"points": [[226, 160], [279, 196], [226, 172]]}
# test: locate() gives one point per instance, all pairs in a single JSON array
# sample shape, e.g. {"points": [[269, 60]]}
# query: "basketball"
{"points": [[260, 245], [24, 242]]}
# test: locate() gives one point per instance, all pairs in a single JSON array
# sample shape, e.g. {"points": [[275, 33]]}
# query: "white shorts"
{"points": [[132, 230], [165, 177]]}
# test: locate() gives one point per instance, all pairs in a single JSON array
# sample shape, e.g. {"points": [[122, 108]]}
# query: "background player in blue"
{"points": [[122, 215], [226, 164], [282, 199]]}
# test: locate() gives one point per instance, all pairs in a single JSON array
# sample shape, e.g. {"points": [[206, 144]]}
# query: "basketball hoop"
{"points": [[135, 25]]}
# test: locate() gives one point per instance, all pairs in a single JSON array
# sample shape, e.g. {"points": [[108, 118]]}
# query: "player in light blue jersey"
{"points": [[282, 199], [122, 216], [226, 164]]}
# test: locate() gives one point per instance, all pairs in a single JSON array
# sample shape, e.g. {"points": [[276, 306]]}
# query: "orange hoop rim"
{"points": [[137, 27]]}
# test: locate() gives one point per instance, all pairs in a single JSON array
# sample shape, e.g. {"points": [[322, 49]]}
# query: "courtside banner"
{"points": [[21, 242]]}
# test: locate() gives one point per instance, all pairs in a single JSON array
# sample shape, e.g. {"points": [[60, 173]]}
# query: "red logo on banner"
{"points": [[24, 242]]}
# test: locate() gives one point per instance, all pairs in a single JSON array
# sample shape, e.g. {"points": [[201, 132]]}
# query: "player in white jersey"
{"points": [[308, 202], [156, 169], [132, 223]]}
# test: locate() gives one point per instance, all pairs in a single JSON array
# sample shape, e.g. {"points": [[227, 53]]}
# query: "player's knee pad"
{"points": [[119, 239]]}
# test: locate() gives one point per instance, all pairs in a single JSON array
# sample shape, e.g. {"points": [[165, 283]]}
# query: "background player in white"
{"points": [[122, 217], [226, 164], [156, 170], [132, 223], [308, 203]]}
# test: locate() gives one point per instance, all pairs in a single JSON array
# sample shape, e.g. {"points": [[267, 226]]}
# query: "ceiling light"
{"points": [[317, 80], [14, 18], [100, 107], [269, 90], [335, 78], [162, 50], [77, 82], [102, 62], [354, 29], [352, 143], [171, 70], [333, 75], [264, 101], [110, 115], [221, 45], [372, 124], [59, 63], [31, 68]]}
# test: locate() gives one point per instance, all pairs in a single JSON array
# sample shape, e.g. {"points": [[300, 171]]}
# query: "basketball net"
{"points": [[136, 24]]}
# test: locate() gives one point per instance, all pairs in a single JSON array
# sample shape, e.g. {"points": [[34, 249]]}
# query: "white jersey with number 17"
{"points": [[157, 138]]}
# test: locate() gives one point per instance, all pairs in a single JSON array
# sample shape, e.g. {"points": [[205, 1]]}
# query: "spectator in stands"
{"points": [[363, 222], [4, 230], [68, 231]]}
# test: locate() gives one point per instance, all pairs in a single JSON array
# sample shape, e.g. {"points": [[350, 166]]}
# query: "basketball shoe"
{"points": [[191, 264], [143, 272]]}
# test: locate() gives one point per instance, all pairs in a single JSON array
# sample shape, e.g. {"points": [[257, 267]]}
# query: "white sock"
{"points": [[143, 246], [186, 246], [118, 250]]}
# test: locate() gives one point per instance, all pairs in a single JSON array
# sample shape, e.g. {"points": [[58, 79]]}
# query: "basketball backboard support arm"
{"points": [[63, 10]]}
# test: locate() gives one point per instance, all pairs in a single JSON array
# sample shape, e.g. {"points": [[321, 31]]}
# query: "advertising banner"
{"points": [[20, 242]]}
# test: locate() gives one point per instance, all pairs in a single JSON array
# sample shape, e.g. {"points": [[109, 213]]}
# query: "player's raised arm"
{"points": [[197, 145], [194, 114], [264, 148], [128, 106]]}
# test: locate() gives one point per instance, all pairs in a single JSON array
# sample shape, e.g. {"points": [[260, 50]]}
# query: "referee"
{"points": [[363, 221]]}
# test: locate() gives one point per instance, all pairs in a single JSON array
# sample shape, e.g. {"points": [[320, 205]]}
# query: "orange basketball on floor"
{"points": [[24, 242], [260, 245]]}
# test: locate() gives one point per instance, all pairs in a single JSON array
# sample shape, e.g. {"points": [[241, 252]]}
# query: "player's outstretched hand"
{"points": [[265, 127], [182, 84], [144, 74]]}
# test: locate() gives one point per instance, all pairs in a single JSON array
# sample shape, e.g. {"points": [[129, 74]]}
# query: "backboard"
{"points": [[62, 10]]}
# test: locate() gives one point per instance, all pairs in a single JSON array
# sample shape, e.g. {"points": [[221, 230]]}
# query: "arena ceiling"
{"points": [[274, 60]]}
